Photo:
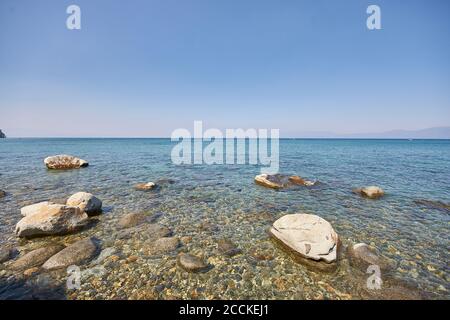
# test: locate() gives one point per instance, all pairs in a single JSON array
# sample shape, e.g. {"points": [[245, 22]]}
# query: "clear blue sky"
{"points": [[147, 67]]}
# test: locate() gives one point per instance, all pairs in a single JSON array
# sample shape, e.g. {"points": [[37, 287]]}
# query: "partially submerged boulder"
{"points": [[145, 186], [86, 202], [75, 254], [372, 192], [310, 238], [280, 181], [64, 162], [36, 257], [51, 219]]}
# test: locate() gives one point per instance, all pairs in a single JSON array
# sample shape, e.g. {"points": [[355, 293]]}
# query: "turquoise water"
{"points": [[416, 237]]}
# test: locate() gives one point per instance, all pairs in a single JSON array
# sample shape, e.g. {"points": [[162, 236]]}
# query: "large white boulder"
{"points": [[308, 235]]}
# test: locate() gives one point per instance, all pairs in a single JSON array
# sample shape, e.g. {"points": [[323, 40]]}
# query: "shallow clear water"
{"points": [[416, 237]]}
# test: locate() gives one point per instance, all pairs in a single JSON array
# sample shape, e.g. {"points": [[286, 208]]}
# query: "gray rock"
{"points": [[361, 256], [227, 248], [2, 135], [162, 245], [131, 220], [36, 257], [86, 202], [53, 219], [75, 254], [191, 263], [63, 162]]}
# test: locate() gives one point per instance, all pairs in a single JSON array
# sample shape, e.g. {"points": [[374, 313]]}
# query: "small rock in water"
{"points": [[145, 186], [362, 256], [86, 202], [163, 245], [191, 263], [228, 248], [75, 254], [36, 257], [63, 162], [371, 192], [2, 193], [52, 219], [131, 220], [280, 181]]}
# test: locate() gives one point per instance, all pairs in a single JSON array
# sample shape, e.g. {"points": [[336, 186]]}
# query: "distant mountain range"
{"points": [[429, 133]]}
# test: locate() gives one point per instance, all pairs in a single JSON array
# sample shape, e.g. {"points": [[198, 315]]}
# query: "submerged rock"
{"points": [[106, 253], [191, 263], [36, 257], [362, 256], [132, 219], [75, 254], [438, 205], [86, 202], [162, 245], [371, 192], [227, 247], [51, 219], [146, 231], [63, 162], [308, 236], [279, 181], [145, 186], [2, 193]]}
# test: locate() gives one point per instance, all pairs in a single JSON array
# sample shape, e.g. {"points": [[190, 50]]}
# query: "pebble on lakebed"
{"points": [[192, 263]]}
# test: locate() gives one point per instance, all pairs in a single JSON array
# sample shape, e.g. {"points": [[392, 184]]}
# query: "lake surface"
{"points": [[226, 198]]}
